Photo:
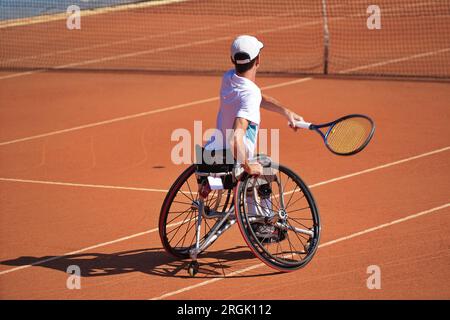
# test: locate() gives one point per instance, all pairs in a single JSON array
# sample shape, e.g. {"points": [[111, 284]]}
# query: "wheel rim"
{"points": [[294, 208]]}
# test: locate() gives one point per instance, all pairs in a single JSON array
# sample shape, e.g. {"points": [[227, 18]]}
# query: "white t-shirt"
{"points": [[239, 98]]}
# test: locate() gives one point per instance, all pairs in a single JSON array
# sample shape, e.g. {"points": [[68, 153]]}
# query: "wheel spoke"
{"points": [[184, 221], [185, 194], [300, 209], [168, 222], [190, 190], [290, 198], [193, 234], [291, 204], [272, 196], [296, 234], [180, 224], [299, 223], [265, 207], [207, 225], [290, 246], [181, 202], [271, 202], [187, 231]]}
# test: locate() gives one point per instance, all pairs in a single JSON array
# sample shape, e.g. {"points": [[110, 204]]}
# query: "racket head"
{"points": [[350, 134]]}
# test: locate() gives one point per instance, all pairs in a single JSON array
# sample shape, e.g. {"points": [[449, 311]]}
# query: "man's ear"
{"points": [[257, 61]]}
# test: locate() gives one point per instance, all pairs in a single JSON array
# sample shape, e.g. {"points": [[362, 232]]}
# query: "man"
{"points": [[240, 103]]}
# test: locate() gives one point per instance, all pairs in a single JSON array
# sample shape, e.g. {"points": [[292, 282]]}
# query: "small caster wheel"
{"points": [[193, 268]]}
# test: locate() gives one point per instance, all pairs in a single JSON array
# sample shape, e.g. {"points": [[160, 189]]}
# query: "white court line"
{"points": [[259, 265], [100, 186], [142, 114], [84, 13], [20, 74], [155, 229], [381, 167], [70, 184], [95, 124], [143, 52], [382, 63], [118, 42]]}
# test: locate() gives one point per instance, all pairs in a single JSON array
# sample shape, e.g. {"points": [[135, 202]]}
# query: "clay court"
{"points": [[85, 164]]}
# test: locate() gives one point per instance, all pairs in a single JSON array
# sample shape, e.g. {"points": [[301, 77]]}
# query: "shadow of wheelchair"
{"points": [[152, 261]]}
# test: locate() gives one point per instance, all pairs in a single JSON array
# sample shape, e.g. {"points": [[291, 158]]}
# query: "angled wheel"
{"points": [[278, 218], [179, 213]]}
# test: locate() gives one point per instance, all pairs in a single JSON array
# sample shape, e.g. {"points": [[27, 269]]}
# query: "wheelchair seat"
{"points": [[214, 161]]}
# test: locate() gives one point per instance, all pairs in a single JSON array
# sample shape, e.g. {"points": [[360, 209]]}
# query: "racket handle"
{"points": [[302, 124]]}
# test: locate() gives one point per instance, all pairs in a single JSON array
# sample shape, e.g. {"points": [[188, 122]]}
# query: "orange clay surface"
{"points": [[104, 179]]}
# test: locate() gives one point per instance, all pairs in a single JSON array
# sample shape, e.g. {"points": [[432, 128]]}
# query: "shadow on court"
{"points": [[153, 261]]}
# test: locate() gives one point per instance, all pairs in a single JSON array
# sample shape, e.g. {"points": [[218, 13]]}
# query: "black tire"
{"points": [[179, 217], [282, 260]]}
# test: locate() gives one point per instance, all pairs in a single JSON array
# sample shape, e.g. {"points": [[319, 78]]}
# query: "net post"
{"points": [[326, 37]]}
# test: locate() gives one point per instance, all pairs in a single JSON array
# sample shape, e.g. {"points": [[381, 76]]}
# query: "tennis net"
{"points": [[300, 36]]}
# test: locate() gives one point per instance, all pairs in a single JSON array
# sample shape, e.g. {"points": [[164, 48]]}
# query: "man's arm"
{"points": [[238, 147], [273, 105]]}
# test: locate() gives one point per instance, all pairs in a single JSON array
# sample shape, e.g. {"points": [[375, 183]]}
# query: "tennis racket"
{"points": [[345, 136]]}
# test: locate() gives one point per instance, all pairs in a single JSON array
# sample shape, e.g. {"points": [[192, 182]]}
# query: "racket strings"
{"points": [[349, 135]]}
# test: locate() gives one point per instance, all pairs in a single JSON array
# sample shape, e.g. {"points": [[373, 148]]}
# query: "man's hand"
{"points": [[254, 169], [292, 117]]}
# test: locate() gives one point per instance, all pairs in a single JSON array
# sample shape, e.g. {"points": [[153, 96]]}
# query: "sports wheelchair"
{"points": [[275, 211]]}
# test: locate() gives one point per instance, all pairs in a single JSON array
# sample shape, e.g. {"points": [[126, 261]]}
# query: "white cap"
{"points": [[246, 44]]}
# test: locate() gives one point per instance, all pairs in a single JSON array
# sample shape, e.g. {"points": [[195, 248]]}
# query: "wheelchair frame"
{"points": [[238, 186]]}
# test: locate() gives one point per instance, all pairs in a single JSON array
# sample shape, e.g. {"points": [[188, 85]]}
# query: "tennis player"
{"points": [[240, 104]]}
